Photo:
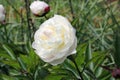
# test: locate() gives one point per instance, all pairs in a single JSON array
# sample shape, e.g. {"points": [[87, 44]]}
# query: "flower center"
{"points": [[52, 38]]}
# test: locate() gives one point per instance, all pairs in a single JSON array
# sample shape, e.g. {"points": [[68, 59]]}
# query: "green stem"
{"points": [[46, 17], [5, 31], [80, 73], [78, 70], [71, 8], [21, 63], [28, 18]]}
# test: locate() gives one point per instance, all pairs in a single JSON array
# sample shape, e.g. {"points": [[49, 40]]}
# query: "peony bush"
{"points": [[59, 40]]}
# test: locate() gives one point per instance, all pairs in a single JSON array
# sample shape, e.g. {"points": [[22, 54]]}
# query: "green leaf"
{"points": [[80, 54], [99, 71], [88, 55], [117, 48], [90, 73], [99, 59], [12, 63], [22, 64], [34, 57], [9, 51], [3, 54], [40, 73], [54, 77], [105, 75], [6, 77], [69, 66], [30, 60], [21, 77]]}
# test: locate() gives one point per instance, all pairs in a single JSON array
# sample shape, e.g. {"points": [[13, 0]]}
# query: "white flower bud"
{"points": [[2, 14], [55, 40], [39, 8]]}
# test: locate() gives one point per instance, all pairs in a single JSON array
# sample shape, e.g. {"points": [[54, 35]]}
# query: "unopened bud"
{"points": [[39, 8]]}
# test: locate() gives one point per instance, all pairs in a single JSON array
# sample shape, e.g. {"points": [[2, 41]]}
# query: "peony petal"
{"points": [[58, 61]]}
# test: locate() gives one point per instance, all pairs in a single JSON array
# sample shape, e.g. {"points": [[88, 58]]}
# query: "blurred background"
{"points": [[97, 29]]}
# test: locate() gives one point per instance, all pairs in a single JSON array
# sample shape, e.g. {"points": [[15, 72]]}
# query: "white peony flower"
{"points": [[55, 40], [2, 13], [39, 8]]}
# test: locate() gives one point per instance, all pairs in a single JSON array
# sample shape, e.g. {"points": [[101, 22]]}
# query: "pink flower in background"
{"points": [[55, 40], [39, 8], [116, 73]]}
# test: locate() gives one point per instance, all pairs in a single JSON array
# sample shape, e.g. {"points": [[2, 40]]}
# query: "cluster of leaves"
{"points": [[97, 29]]}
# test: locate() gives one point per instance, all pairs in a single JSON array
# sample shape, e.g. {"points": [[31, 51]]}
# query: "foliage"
{"points": [[97, 29]]}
